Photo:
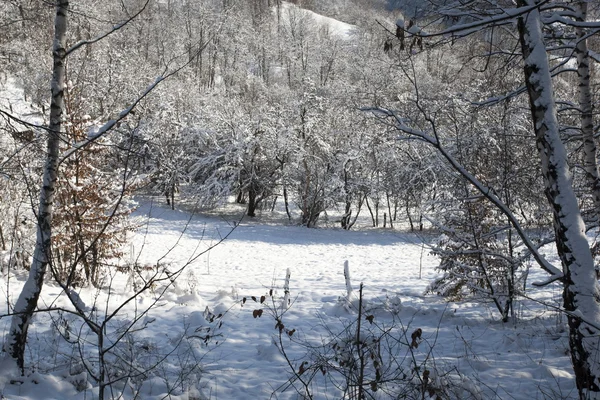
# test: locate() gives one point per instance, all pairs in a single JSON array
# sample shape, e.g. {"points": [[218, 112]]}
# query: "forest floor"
{"points": [[212, 344]]}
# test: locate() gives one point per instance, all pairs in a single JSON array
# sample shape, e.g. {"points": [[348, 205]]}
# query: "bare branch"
{"points": [[114, 29], [486, 191]]}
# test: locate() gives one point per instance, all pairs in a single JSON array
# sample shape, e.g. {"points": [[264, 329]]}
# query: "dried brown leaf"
{"points": [[302, 369]]}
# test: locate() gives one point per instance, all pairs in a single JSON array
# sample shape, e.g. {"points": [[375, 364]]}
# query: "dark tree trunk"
{"points": [[348, 208], [253, 201], [2, 242], [346, 218], [408, 214], [241, 198], [389, 204], [370, 211], [287, 203], [172, 193]]}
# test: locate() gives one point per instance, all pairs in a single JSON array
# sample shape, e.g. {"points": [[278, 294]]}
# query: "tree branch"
{"points": [[400, 124], [114, 29]]}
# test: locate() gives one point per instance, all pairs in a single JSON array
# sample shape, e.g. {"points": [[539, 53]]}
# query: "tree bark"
{"points": [[590, 165], [581, 293], [286, 202], [27, 302], [252, 200], [2, 242], [345, 221]]}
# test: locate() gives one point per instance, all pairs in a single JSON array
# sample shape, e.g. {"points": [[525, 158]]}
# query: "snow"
{"points": [[337, 28], [466, 348], [12, 100]]}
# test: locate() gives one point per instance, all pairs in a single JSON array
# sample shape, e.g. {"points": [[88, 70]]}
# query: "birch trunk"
{"points": [[585, 103], [24, 308], [581, 291]]}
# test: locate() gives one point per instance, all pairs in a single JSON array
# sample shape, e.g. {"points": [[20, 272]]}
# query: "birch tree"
{"points": [[25, 306], [581, 293], [14, 345], [581, 296], [585, 103]]}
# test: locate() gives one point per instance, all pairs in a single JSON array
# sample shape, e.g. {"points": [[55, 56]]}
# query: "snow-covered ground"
{"points": [[336, 28], [12, 99], [466, 350]]}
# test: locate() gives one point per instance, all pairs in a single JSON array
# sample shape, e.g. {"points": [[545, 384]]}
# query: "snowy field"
{"points": [[467, 351]]}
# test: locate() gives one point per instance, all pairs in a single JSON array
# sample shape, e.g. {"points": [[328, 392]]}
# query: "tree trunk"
{"points": [[389, 209], [410, 220], [172, 192], [287, 203], [345, 221], [2, 242], [370, 211], [581, 293], [27, 302], [252, 201], [347, 216], [585, 103], [241, 198], [358, 209]]}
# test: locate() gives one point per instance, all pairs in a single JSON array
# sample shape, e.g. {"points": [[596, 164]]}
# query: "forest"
{"points": [[155, 154]]}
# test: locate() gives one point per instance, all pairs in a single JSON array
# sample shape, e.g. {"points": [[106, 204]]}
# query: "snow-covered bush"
{"points": [[477, 258]]}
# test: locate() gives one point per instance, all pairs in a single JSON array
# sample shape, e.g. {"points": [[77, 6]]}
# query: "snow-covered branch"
{"points": [[104, 35], [113, 122], [486, 191], [505, 17]]}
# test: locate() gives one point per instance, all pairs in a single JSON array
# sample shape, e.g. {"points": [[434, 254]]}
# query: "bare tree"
{"points": [[25, 306], [585, 103], [581, 295]]}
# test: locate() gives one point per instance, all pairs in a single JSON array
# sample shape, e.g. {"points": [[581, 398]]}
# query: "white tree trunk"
{"points": [[24, 308], [581, 292], [585, 103]]}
